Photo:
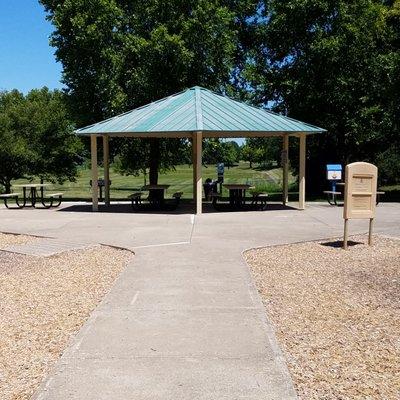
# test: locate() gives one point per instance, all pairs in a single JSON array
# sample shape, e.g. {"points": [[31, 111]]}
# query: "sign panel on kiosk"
{"points": [[333, 172], [360, 195]]}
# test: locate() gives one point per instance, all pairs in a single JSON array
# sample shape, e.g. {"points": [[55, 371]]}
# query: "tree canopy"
{"points": [[119, 54], [36, 137], [334, 64], [263, 151]]}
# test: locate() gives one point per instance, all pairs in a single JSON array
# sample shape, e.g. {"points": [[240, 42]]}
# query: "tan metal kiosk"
{"points": [[360, 195]]}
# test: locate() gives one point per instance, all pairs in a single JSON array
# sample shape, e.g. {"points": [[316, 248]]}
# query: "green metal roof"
{"points": [[198, 109]]}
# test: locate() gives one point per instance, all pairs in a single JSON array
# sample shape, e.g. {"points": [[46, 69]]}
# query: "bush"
{"points": [[388, 163]]}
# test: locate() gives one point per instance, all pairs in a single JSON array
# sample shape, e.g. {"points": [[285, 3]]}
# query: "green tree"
{"points": [[57, 151], [388, 160], [334, 64], [264, 151], [219, 151], [389, 165], [36, 137], [15, 153], [127, 161], [249, 154], [119, 54]]}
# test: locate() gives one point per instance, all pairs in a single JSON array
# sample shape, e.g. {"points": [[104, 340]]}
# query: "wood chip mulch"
{"points": [[43, 302], [336, 315]]}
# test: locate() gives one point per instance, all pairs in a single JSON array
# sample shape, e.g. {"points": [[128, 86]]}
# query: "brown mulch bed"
{"points": [[43, 302], [336, 315]]}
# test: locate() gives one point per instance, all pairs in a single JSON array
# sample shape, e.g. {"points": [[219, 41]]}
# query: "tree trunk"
{"points": [[154, 160], [41, 188], [7, 186]]}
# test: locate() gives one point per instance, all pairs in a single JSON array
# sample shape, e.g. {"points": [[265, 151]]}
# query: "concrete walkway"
{"points": [[45, 247], [184, 320]]}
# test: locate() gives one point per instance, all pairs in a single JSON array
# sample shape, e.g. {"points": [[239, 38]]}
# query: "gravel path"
{"points": [[43, 302], [7, 239], [336, 315]]}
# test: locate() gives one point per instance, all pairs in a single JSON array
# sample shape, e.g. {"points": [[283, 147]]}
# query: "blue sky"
{"points": [[26, 59]]}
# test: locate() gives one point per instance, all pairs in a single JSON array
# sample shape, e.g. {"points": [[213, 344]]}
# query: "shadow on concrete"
{"points": [[183, 208], [225, 207], [339, 243], [124, 209]]}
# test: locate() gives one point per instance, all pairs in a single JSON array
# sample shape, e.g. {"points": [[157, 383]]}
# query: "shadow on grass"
{"points": [[127, 189]]}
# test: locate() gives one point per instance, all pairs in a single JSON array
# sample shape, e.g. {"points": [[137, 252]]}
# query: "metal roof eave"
{"points": [[206, 133]]}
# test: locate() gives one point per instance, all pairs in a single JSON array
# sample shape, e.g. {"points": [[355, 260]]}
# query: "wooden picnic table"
{"points": [[343, 184], [237, 194], [156, 194], [33, 193], [156, 187]]}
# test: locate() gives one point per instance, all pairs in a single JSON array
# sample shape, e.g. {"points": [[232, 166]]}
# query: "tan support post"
{"points": [[93, 150], [194, 166], [302, 173], [285, 170], [198, 149], [106, 161]]}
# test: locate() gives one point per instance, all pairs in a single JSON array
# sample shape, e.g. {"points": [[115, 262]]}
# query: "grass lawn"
{"points": [[180, 180]]}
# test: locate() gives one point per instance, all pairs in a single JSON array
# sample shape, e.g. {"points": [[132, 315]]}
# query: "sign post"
{"points": [[360, 195]]}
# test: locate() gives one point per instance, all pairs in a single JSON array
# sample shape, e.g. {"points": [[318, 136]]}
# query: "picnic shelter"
{"points": [[198, 113]]}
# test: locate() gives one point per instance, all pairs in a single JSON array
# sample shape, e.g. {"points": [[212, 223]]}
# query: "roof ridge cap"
{"points": [[198, 108]]}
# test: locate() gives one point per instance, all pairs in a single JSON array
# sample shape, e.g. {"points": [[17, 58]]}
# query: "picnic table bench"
{"points": [[237, 197], [30, 194], [136, 199], [237, 194], [53, 197], [155, 197], [6, 196], [332, 195], [260, 198]]}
